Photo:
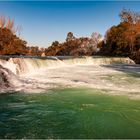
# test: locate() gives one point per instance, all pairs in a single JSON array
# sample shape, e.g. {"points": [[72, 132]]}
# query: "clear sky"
{"points": [[47, 21]]}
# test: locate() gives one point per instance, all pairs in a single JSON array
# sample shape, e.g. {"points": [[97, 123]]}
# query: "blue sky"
{"points": [[47, 21]]}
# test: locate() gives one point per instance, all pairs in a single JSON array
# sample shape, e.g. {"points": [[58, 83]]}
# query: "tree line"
{"points": [[120, 40], [75, 46]]}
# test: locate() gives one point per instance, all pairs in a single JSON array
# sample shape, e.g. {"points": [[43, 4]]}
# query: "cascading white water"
{"points": [[97, 61], [32, 65], [9, 65], [35, 75]]}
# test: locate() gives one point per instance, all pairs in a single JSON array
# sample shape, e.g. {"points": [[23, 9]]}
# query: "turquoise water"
{"points": [[69, 113]]}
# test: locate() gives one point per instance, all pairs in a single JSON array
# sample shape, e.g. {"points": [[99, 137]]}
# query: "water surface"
{"points": [[69, 113]]}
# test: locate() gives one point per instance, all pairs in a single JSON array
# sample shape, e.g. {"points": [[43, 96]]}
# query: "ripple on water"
{"points": [[69, 113]]}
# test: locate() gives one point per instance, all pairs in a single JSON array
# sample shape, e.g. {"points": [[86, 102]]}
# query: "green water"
{"points": [[69, 113]]}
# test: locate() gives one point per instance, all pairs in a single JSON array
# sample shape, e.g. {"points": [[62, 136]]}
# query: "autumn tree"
{"points": [[132, 21], [70, 36], [9, 42], [55, 43], [124, 38], [129, 16], [137, 42], [94, 41]]}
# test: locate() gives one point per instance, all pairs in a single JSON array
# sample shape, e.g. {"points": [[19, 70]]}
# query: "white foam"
{"points": [[37, 75], [34, 65]]}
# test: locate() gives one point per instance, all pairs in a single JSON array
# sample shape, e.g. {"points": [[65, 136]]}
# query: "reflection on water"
{"points": [[69, 113]]}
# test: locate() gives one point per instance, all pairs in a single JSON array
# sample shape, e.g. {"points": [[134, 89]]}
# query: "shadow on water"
{"points": [[132, 70]]}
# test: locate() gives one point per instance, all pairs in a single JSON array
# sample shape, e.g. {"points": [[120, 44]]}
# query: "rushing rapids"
{"points": [[32, 65], [8, 80], [37, 75]]}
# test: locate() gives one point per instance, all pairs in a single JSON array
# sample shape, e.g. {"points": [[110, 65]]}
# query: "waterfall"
{"points": [[9, 65], [32, 65], [8, 80]]}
